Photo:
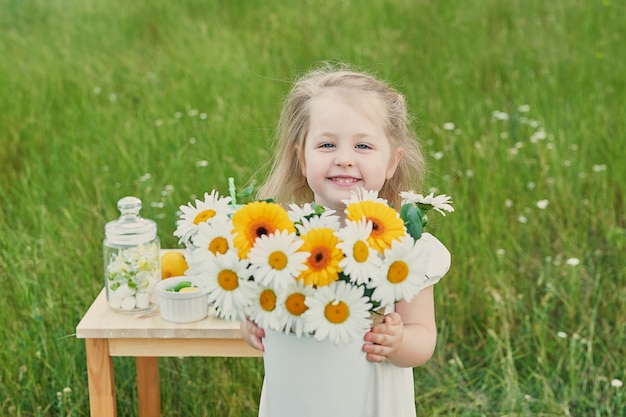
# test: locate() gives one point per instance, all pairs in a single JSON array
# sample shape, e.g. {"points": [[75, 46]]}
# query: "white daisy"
{"points": [[338, 312], [330, 222], [361, 262], [361, 194], [306, 217], [440, 203], [275, 260], [214, 238], [297, 213], [265, 310], [404, 271], [213, 205], [229, 289], [293, 301]]}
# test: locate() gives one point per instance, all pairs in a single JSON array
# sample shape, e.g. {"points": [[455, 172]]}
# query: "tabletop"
{"points": [[102, 322]]}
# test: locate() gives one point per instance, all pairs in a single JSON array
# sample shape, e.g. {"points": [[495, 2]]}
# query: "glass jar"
{"points": [[132, 262]]}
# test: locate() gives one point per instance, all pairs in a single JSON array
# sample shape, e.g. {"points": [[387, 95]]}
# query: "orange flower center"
{"points": [[378, 229], [360, 251], [398, 271], [337, 312], [268, 300], [218, 245], [320, 258], [228, 280], [203, 216], [277, 260], [295, 304]]}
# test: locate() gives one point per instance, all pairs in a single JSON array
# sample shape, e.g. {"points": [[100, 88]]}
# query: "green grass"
{"points": [[165, 100]]}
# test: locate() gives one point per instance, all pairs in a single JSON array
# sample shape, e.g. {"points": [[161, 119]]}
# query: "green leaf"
{"points": [[413, 220]]}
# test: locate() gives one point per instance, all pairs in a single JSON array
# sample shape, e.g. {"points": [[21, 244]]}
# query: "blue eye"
{"points": [[363, 146], [327, 145]]}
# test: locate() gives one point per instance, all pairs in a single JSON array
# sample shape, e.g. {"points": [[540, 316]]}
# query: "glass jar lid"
{"points": [[130, 228]]}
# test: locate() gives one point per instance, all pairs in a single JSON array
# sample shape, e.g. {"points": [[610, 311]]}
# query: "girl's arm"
{"points": [[406, 338], [252, 334]]}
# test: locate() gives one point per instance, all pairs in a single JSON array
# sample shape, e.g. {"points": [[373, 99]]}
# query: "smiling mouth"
{"points": [[344, 180]]}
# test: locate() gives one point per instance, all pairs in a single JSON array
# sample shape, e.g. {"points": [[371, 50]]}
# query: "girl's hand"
{"points": [[384, 339], [252, 334]]}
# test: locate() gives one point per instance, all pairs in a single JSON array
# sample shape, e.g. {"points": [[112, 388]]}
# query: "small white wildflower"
{"points": [[178, 114], [157, 204], [542, 204], [203, 116], [522, 219], [192, 141], [561, 335], [499, 115], [524, 108], [508, 203], [599, 168], [193, 113], [202, 164], [617, 383], [112, 97], [440, 203], [437, 155], [538, 135], [145, 177], [158, 122], [573, 261], [504, 135], [97, 90], [469, 173], [567, 163], [531, 185], [67, 390], [513, 151], [448, 126], [500, 252]]}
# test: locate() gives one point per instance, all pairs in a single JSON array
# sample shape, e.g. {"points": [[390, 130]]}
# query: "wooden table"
{"points": [[146, 337]]}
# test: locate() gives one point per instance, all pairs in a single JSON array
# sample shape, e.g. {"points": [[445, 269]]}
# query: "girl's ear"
{"points": [[394, 161], [300, 156]]}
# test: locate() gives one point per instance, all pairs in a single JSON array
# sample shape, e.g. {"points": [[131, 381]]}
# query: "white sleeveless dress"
{"points": [[391, 389]]}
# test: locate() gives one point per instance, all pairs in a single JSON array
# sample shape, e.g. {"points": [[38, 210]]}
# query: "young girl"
{"points": [[341, 130]]}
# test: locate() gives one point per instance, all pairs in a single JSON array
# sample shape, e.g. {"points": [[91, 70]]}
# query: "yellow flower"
{"points": [[323, 263], [255, 220], [387, 226]]}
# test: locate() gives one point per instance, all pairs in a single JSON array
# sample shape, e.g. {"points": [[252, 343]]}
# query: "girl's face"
{"points": [[345, 149]]}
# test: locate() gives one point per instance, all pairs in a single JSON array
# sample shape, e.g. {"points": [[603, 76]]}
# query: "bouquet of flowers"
{"points": [[301, 271]]}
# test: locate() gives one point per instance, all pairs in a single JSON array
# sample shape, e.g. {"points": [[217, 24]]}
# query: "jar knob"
{"points": [[129, 205]]}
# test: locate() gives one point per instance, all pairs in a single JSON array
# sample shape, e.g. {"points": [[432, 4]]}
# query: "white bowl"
{"points": [[183, 307]]}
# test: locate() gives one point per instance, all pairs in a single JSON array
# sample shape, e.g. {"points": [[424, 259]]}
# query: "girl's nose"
{"points": [[344, 159]]}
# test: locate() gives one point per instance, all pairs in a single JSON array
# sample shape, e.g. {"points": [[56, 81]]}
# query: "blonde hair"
{"points": [[286, 184]]}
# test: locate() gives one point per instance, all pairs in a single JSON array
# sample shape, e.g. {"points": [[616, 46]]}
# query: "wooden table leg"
{"points": [[101, 379], [148, 387]]}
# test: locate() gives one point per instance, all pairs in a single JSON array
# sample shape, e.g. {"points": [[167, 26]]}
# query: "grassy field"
{"points": [[520, 106]]}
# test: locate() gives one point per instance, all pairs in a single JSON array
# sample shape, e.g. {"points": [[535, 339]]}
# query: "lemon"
{"points": [[188, 289], [173, 264]]}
